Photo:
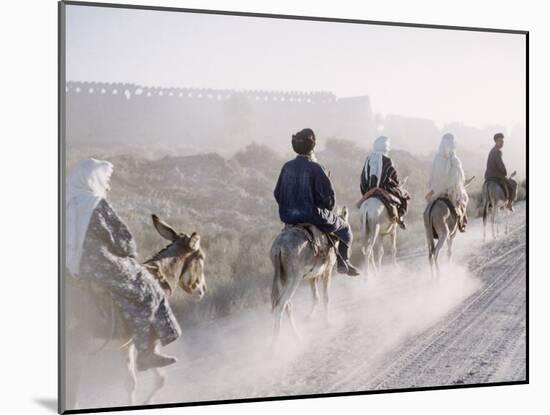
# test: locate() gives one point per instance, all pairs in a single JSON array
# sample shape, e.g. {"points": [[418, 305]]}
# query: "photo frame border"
{"points": [[61, 202]]}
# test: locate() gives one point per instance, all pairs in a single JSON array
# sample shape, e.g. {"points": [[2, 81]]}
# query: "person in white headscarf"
{"points": [[100, 248], [87, 185], [448, 180], [379, 173]]}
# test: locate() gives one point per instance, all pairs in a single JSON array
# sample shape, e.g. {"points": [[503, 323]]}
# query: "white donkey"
{"points": [[375, 224], [495, 198]]}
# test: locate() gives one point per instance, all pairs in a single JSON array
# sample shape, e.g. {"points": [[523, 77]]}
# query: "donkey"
{"points": [[298, 255], [375, 224], [494, 197], [438, 217], [181, 263]]}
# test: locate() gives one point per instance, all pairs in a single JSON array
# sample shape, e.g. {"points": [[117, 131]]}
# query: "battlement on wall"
{"points": [[130, 91]]}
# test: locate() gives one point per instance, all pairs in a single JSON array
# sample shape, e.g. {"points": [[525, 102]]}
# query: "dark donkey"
{"points": [[495, 199], [181, 263], [298, 255]]}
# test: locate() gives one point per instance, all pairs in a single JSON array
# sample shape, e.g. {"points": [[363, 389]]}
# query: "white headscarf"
{"points": [[447, 173], [87, 184], [374, 161]]}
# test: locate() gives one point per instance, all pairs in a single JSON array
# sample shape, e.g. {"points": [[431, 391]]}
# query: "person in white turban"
{"points": [[380, 173], [100, 248], [447, 179]]}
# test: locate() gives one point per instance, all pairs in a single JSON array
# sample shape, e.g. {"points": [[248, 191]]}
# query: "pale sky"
{"points": [[445, 75]]}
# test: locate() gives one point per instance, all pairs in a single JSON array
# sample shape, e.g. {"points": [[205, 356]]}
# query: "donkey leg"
{"points": [[158, 383], [431, 248], [494, 224], [443, 234], [315, 294], [379, 254], [373, 237], [131, 379], [290, 316], [284, 300], [394, 247], [450, 249], [278, 314], [485, 217], [369, 261], [327, 278]]}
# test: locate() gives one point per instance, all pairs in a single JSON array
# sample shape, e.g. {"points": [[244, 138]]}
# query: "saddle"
{"points": [[389, 200], [313, 235], [450, 205]]}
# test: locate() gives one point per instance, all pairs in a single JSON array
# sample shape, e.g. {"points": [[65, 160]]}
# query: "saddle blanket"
{"points": [[389, 200], [321, 242]]}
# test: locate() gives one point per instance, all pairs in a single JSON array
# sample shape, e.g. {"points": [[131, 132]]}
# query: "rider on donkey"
{"points": [[379, 174], [496, 170], [447, 179], [305, 194], [101, 249]]}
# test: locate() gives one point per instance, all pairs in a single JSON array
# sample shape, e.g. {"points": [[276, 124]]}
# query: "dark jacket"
{"points": [[495, 165], [305, 195]]}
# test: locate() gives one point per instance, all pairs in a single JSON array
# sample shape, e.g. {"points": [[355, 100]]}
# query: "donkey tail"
{"points": [[429, 227], [278, 278], [365, 226]]}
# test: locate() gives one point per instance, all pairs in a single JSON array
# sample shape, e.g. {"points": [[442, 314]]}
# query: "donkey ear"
{"points": [[195, 241], [164, 229], [513, 174]]}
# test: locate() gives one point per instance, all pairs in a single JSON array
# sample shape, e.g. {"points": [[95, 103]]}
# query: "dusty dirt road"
{"points": [[399, 329]]}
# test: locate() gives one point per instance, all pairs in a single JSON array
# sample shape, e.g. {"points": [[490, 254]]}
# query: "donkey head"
{"points": [[180, 263]]}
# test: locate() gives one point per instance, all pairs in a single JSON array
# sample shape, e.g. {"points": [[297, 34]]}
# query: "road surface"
{"points": [[399, 329]]}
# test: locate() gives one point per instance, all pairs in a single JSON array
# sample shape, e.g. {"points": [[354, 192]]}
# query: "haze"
{"points": [[475, 78]]}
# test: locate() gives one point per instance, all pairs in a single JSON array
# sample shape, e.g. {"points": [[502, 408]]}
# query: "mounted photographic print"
{"points": [[258, 207]]}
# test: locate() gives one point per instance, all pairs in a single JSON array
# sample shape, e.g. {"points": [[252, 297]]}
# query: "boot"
{"points": [[462, 223], [401, 222], [344, 266], [150, 359]]}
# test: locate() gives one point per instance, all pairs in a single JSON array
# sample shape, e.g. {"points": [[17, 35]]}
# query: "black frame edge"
{"points": [[527, 138], [291, 397], [61, 364], [292, 17]]}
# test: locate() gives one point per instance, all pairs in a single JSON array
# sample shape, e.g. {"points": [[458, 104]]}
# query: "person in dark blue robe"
{"points": [[305, 194]]}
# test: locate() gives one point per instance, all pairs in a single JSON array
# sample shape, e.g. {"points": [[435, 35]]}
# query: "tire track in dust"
{"points": [[429, 366], [410, 351], [414, 360]]}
